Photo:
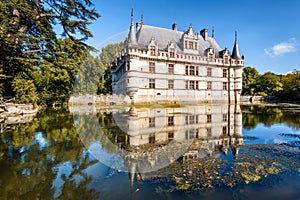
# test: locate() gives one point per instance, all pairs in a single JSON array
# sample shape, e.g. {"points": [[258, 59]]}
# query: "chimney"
{"points": [[174, 27], [138, 26], [204, 33]]}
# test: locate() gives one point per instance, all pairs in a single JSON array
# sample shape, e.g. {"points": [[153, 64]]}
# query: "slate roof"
{"points": [[235, 51], [164, 36]]}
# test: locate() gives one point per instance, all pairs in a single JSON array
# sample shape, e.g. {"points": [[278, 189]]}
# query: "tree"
{"points": [[88, 76], [268, 84], [57, 73], [25, 90], [27, 34], [291, 87], [107, 56], [250, 76]]}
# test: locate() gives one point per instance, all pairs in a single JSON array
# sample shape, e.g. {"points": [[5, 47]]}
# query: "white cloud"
{"points": [[282, 48]]}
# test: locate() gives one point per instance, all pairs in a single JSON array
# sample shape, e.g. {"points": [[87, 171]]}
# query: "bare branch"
{"points": [[34, 51]]}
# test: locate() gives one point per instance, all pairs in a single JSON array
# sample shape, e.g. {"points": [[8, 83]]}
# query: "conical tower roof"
{"points": [[132, 41], [235, 52]]}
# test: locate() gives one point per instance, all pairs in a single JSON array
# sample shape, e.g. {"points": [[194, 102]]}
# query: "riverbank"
{"points": [[11, 113], [107, 100]]}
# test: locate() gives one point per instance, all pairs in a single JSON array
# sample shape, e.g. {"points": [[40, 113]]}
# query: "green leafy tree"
{"points": [[56, 75], [32, 166], [25, 90], [88, 76], [27, 36], [268, 84], [250, 76], [291, 87], [107, 57]]}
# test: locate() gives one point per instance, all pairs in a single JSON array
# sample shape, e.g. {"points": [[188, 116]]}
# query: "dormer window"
{"points": [[171, 49], [172, 52], [226, 60], [225, 55], [210, 56], [190, 39], [152, 50], [152, 47], [210, 53], [191, 45]]}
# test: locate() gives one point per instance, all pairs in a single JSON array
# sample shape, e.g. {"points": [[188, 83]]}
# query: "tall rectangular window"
{"points": [[208, 71], [224, 85], [226, 60], [196, 45], [197, 85], [152, 67], [170, 135], [128, 65], [224, 130], [152, 50], [152, 138], [172, 53], [224, 73], [191, 45], [186, 119], [209, 85], [170, 84], [152, 122], [192, 85], [197, 70], [186, 70], [171, 121], [192, 119], [208, 118], [192, 70], [224, 117], [187, 85], [171, 69], [151, 83]]}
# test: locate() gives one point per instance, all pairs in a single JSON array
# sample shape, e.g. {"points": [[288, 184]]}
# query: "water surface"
{"points": [[154, 152]]}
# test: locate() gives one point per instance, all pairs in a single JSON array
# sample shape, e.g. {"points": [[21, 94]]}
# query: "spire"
{"points": [[142, 18], [235, 52], [132, 16], [132, 41], [190, 31], [213, 32]]}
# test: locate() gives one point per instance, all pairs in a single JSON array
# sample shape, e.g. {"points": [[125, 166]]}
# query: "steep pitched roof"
{"points": [[235, 52], [164, 36]]}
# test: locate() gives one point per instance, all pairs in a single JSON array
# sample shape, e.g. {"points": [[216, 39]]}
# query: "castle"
{"points": [[167, 65]]}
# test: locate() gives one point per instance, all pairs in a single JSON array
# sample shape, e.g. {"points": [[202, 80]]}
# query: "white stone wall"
{"points": [[135, 82], [139, 130]]}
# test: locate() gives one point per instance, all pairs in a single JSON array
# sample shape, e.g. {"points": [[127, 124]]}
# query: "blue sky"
{"points": [[268, 31]]}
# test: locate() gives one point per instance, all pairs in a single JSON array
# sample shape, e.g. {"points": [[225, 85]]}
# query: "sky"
{"points": [[268, 30]]}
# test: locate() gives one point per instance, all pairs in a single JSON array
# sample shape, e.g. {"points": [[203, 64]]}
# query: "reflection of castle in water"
{"points": [[210, 127], [198, 130]]}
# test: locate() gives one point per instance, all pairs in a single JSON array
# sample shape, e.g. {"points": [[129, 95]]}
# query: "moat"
{"points": [[211, 151]]}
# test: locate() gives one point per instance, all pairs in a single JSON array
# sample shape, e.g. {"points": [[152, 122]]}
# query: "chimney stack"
{"points": [[138, 26], [174, 27], [204, 33]]}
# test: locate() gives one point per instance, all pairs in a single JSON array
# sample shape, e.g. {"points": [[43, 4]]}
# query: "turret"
{"points": [[235, 52], [132, 41]]}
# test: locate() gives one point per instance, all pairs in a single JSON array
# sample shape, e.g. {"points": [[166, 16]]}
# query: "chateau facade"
{"points": [[158, 136], [166, 65]]}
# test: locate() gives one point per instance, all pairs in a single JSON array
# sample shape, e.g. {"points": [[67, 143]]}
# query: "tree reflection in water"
{"points": [[29, 166], [189, 148]]}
